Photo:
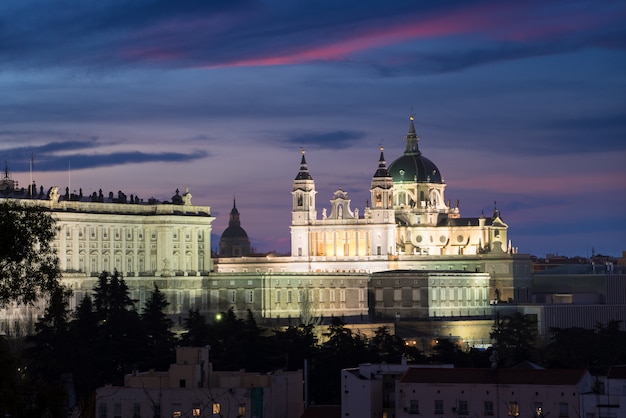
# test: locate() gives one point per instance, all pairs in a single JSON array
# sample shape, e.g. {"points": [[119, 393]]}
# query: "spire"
{"points": [[303, 174], [412, 139], [234, 215], [382, 165]]}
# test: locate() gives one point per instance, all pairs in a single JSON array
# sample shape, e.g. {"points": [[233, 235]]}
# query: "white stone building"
{"points": [[511, 392]]}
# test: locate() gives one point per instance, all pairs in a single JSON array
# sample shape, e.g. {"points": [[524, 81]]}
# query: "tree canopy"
{"points": [[29, 266]]}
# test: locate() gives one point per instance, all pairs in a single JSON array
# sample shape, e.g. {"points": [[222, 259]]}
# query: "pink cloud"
{"points": [[521, 21], [562, 185]]}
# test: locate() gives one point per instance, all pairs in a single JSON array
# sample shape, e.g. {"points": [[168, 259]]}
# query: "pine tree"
{"points": [[160, 340]]}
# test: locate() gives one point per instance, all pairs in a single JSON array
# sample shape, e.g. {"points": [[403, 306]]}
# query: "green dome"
{"points": [[412, 167]]}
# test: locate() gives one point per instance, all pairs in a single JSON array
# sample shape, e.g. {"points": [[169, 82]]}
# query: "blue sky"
{"points": [[522, 103]]}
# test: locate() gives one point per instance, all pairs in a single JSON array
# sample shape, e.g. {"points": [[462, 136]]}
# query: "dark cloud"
{"points": [[47, 158], [89, 161], [326, 140]]}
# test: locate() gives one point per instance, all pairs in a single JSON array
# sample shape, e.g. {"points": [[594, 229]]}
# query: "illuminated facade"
{"points": [[407, 226], [408, 216], [133, 237]]}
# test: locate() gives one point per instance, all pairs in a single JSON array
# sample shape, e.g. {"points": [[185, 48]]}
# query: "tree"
{"points": [[29, 266], [515, 338], [157, 326]]}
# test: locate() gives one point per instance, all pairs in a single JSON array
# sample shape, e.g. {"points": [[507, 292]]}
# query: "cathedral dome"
{"points": [[413, 166]]}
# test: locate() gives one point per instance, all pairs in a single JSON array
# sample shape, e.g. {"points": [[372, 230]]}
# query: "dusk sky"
{"points": [[522, 103]]}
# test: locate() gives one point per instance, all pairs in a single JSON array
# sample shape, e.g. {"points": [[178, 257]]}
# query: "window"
{"points": [[463, 408], [232, 296], [216, 409], [195, 410], [182, 383], [538, 409], [438, 406], [242, 409], [288, 296], [488, 408], [102, 410], [414, 406], [136, 410], [278, 296], [249, 296], [117, 410], [514, 409], [563, 409]]}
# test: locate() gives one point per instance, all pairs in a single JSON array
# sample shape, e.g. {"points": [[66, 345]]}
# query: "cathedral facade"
{"points": [[408, 216]]}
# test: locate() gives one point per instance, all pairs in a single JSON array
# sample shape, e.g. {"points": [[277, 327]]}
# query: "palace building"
{"points": [[408, 254]]}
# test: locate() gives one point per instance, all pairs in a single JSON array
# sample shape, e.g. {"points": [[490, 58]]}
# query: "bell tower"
{"points": [[303, 206], [381, 193], [303, 213]]}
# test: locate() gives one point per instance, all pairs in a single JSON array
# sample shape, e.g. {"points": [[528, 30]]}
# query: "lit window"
{"points": [[514, 409], [195, 412], [216, 408], [538, 407], [242, 409]]}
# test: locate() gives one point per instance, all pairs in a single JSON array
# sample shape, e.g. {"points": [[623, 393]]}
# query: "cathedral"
{"points": [[408, 216]]}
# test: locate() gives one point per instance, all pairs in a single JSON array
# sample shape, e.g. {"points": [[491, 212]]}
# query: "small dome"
{"points": [[234, 231]]}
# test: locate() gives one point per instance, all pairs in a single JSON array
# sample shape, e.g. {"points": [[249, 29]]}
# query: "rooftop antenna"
{"points": [[30, 187], [69, 176]]}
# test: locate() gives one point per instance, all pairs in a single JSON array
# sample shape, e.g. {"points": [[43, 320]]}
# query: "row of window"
{"points": [[107, 264], [461, 408], [442, 293], [177, 410], [332, 295], [117, 233]]}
